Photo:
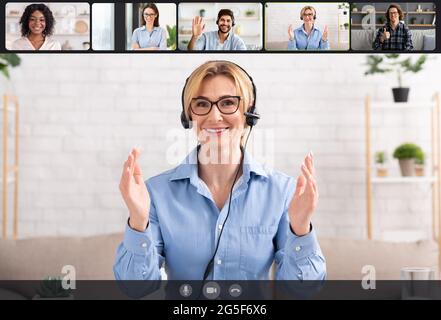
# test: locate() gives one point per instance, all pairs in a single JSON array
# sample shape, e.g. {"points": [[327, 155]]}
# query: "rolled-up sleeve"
{"points": [[200, 43], [140, 255]]}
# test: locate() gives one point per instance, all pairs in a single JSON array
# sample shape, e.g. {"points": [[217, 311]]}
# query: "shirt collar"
{"points": [[188, 168], [303, 28], [144, 28], [228, 37]]}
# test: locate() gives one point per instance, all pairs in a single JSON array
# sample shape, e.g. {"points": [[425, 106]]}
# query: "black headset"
{"points": [[230, 13], [313, 9], [251, 116]]}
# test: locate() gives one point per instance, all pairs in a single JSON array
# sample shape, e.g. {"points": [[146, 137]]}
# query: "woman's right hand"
{"points": [[134, 192], [291, 32]]}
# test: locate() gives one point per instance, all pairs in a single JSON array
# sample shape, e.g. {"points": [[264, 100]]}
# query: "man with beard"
{"points": [[394, 35], [221, 39]]}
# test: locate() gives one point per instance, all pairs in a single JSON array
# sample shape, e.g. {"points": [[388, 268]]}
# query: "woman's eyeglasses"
{"points": [[226, 105], [150, 15]]}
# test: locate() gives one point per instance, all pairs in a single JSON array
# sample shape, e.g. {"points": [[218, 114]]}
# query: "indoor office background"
{"points": [[72, 23], [248, 18], [278, 16], [368, 17], [82, 114], [167, 20]]}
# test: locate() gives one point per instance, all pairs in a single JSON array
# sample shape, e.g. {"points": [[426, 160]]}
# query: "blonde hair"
{"points": [[307, 8], [210, 69]]}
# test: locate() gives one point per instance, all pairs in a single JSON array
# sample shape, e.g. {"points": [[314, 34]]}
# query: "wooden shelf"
{"points": [[59, 17], [384, 12], [397, 180], [409, 25], [241, 35], [421, 25], [402, 105], [10, 172], [433, 176]]}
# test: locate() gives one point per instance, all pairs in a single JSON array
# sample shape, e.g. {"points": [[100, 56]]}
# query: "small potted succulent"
{"points": [[419, 163], [406, 154], [202, 13], [52, 289], [380, 160], [250, 13]]}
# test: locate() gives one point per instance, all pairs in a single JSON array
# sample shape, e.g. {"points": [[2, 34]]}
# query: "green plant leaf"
{"points": [[11, 58], [407, 151]]}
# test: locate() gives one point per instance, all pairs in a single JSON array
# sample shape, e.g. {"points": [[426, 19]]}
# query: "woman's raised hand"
{"points": [[291, 32], [305, 198], [134, 192]]}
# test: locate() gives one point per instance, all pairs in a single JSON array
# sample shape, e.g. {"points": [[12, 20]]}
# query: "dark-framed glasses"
{"points": [[226, 105]]}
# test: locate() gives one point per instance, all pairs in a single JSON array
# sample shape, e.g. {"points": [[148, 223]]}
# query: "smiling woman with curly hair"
{"points": [[37, 26]]}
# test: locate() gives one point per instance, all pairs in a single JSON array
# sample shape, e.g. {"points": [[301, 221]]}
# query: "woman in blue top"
{"points": [[194, 222], [307, 36], [150, 36]]}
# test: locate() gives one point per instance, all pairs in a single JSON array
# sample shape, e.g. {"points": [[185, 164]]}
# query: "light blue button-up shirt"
{"points": [[302, 41], [156, 38], [185, 223], [210, 41]]}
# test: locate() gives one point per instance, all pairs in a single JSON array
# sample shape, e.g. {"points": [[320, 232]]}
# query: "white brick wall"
{"points": [[81, 114]]}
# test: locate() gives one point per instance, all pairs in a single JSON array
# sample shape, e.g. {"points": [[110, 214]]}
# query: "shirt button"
{"points": [[144, 244], [219, 261], [220, 227], [298, 248]]}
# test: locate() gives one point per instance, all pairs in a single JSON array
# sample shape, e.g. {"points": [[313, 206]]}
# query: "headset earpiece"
{"points": [[185, 122]]}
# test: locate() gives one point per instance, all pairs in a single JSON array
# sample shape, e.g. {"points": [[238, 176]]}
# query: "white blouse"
{"points": [[24, 44]]}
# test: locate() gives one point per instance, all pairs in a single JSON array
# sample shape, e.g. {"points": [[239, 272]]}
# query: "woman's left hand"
{"points": [[305, 199], [325, 34]]}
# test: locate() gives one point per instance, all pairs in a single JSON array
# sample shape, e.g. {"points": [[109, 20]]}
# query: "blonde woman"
{"points": [[192, 220], [308, 36]]}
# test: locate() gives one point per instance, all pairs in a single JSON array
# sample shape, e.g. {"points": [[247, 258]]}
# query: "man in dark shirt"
{"points": [[394, 35]]}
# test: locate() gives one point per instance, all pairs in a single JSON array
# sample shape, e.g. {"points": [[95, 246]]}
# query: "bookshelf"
{"points": [[434, 176]]}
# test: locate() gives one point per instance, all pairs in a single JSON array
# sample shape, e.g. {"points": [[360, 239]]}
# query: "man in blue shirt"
{"points": [[179, 217], [221, 39], [307, 36]]}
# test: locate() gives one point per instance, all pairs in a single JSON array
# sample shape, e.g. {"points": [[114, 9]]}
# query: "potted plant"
{"points": [[419, 163], [52, 288], [394, 63], [380, 160], [354, 7], [406, 154], [344, 7], [202, 13], [171, 40], [346, 25], [250, 13]]}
